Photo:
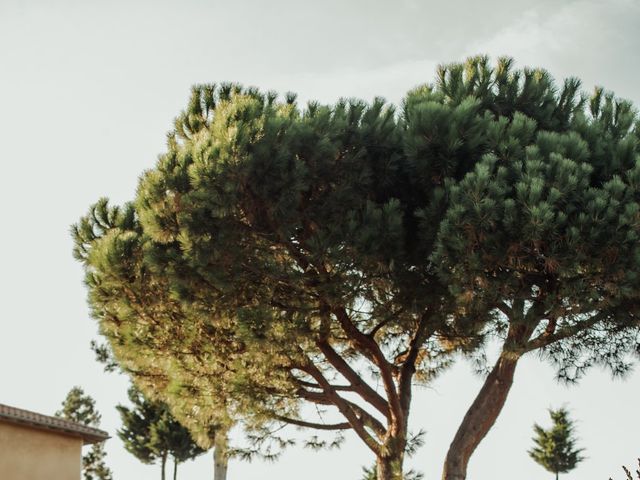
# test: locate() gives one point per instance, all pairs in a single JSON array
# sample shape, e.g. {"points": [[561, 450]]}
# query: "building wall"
{"points": [[30, 454]]}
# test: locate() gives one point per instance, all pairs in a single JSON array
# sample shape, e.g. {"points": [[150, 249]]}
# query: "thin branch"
{"points": [[314, 397], [379, 326], [371, 350], [545, 339], [369, 420]]}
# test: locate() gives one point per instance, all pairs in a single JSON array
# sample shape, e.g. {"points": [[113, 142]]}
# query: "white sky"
{"points": [[87, 92]]}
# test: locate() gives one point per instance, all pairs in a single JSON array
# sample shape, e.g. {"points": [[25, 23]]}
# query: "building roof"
{"points": [[58, 425]]}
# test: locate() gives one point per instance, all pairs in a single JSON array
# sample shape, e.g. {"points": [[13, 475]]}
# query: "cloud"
{"points": [[596, 41], [389, 81]]}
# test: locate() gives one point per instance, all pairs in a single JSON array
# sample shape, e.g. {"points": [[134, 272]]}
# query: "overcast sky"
{"points": [[87, 92]]}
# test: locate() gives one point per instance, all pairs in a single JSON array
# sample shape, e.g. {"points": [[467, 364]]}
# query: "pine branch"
{"points": [[317, 426]]}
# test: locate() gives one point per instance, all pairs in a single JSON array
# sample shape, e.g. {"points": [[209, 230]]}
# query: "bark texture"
{"points": [[220, 457], [480, 417], [389, 467]]}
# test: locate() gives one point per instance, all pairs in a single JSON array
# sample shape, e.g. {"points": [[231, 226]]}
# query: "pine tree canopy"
{"points": [[278, 256], [80, 407], [555, 448]]}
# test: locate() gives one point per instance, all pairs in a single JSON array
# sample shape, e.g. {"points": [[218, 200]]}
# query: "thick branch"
{"points": [[369, 420], [504, 308], [408, 367], [364, 416], [345, 409], [317, 426], [536, 312], [337, 388], [380, 325], [371, 350], [357, 384], [314, 397]]}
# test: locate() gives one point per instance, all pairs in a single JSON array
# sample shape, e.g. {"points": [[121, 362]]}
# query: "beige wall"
{"points": [[30, 454]]}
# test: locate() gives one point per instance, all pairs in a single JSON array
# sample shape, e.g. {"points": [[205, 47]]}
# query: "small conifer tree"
{"points": [[555, 448], [150, 432], [81, 408]]}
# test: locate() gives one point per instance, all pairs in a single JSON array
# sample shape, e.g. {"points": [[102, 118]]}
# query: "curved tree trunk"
{"points": [[175, 468], [220, 456], [480, 417]]}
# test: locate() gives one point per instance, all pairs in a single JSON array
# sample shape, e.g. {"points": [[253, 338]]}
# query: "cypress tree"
{"points": [[150, 433], [81, 408], [555, 448]]}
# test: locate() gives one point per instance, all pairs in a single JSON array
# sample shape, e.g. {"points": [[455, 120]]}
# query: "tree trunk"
{"points": [[389, 467], [480, 417], [175, 468], [220, 456], [164, 463], [389, 464]]}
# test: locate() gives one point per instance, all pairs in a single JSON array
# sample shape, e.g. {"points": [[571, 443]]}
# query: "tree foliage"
{"points": [[80, 407], [150, 433], [335, 255], [555, 448]]}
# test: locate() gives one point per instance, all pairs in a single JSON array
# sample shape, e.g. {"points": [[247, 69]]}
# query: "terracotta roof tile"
{"points": [[44, 422]]}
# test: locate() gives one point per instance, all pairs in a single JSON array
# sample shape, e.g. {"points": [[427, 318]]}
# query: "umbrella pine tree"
{"points": [[336, 255]]}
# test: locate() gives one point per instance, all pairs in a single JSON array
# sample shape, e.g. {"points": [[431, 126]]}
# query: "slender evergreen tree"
{"points": [[81, 408], [150, 433], [555, 448], [278, 256]]}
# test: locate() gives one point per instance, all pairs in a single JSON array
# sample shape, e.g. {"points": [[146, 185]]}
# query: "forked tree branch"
{"points": [[372, 351], [345, 408], [358, 385], [546, 338]]}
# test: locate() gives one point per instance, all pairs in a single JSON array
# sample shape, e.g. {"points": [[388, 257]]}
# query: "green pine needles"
{"points": [[81, 408], [555, 448], [280, 257], [150, 433]]}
